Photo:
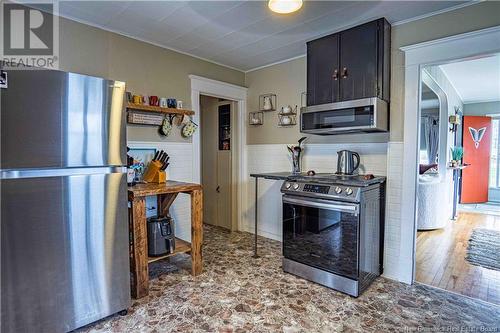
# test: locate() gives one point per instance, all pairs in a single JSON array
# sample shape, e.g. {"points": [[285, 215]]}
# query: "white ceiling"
{"points": [[239, 34], [476, 80]]}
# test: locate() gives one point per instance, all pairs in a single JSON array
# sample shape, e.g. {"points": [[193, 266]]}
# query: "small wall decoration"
{"points": [[477, 135], [287, 116], [455, 119], [256, 118], [144, 119], [267, 102]]}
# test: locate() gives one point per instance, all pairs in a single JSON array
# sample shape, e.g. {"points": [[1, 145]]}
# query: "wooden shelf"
{"points": [[180, 247], [458, 167], [157, 109]]}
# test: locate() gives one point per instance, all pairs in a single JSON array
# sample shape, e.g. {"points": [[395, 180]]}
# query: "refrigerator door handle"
{"points": [[40, 173]]}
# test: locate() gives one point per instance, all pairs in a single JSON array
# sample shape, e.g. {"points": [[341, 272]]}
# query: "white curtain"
{"points": [[431, 132]]}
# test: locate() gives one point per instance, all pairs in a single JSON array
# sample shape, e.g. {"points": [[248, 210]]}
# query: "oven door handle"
{"points": [[324, 204]]}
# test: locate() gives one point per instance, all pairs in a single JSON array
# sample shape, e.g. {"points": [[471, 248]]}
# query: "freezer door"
{"points": [[64, 251], [54, 119]]}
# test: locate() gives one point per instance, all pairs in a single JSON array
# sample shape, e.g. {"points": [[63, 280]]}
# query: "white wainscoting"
{"points": [[275, 158], [181, 169], [392, 239]]}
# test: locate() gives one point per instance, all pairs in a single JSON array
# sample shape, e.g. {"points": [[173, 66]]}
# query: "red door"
{"points": [[477, 145]]}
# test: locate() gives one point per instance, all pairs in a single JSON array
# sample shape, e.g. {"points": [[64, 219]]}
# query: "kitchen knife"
{"points": [[156, 155], [160, 156], [165, 163]]}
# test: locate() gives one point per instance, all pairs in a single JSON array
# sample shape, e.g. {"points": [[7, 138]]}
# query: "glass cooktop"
{"points": [[331, 178]]}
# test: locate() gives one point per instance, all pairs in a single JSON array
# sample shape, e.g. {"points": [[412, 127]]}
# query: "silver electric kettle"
{"points": [[345, 162]]}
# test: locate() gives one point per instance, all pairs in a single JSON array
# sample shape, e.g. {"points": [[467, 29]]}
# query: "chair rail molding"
{"points": [[458, 47]]}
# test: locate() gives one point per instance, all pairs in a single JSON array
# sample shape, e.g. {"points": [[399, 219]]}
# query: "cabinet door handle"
{"points": [[344, 73], [335, 74], [218, 189]]}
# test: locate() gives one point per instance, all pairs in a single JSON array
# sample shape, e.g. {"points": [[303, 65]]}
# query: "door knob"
{"points": [[344, 72], [218, 189]]}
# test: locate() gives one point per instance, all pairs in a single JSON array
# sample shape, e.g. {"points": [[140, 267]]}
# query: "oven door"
{"points": [[322, 234]]}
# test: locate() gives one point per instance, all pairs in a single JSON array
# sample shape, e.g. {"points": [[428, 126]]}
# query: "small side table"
{"points": [[457, 170], [166, 193]]}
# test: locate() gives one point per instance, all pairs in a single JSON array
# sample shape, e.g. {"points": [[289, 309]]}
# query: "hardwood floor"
{"points": [[441, 259]]}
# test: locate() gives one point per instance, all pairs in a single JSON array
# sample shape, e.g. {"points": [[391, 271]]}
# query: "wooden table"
{"points": [[166, 194]]}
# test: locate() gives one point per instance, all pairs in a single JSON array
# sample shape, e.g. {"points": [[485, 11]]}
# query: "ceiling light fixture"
{"points": [[284, 6]]}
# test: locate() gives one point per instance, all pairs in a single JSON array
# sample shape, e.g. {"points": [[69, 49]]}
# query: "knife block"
{"points": [[152, 171], [160, 177]]}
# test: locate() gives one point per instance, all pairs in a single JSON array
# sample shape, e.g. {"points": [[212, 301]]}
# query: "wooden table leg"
{"points": [[139, 262], [164, 203], [196, 231]]}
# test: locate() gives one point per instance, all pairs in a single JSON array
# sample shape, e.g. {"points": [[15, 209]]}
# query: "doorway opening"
{"points": [[201, 86], [217, 116], [458, 177]]}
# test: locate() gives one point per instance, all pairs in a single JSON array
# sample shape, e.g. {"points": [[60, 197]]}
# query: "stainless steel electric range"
{"points": [[333, 229]]}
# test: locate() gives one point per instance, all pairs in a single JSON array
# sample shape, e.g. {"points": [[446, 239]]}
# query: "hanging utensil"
{"points": [[189, 129], [166, 125]]}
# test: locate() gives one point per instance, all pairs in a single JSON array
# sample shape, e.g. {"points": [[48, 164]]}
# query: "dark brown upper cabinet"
{"points": [[351, 64], [322, 70]]}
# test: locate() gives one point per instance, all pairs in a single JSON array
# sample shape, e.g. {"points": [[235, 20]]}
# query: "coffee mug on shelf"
{"points": [[153, 100], [145, 100], [179, 104], [163, 102], [171, 103], [137, 99]]}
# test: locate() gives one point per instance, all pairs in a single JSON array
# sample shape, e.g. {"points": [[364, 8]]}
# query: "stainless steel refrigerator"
{"points": [[64, 223]]}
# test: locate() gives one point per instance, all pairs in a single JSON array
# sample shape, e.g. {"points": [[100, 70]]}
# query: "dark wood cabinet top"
{"points": [[171, 186]]}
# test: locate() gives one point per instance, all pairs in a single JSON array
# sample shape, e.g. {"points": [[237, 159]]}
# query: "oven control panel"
{"points": [[322, 190]]}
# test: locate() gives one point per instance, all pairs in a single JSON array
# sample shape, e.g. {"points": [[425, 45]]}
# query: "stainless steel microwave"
{"points": [[361, 115]]}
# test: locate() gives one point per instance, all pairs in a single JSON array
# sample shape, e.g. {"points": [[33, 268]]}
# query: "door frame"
{"points": [[208, 87], [459, 47]]}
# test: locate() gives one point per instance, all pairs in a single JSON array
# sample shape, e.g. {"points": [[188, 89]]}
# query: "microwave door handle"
{"points": [[324, 205]]}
